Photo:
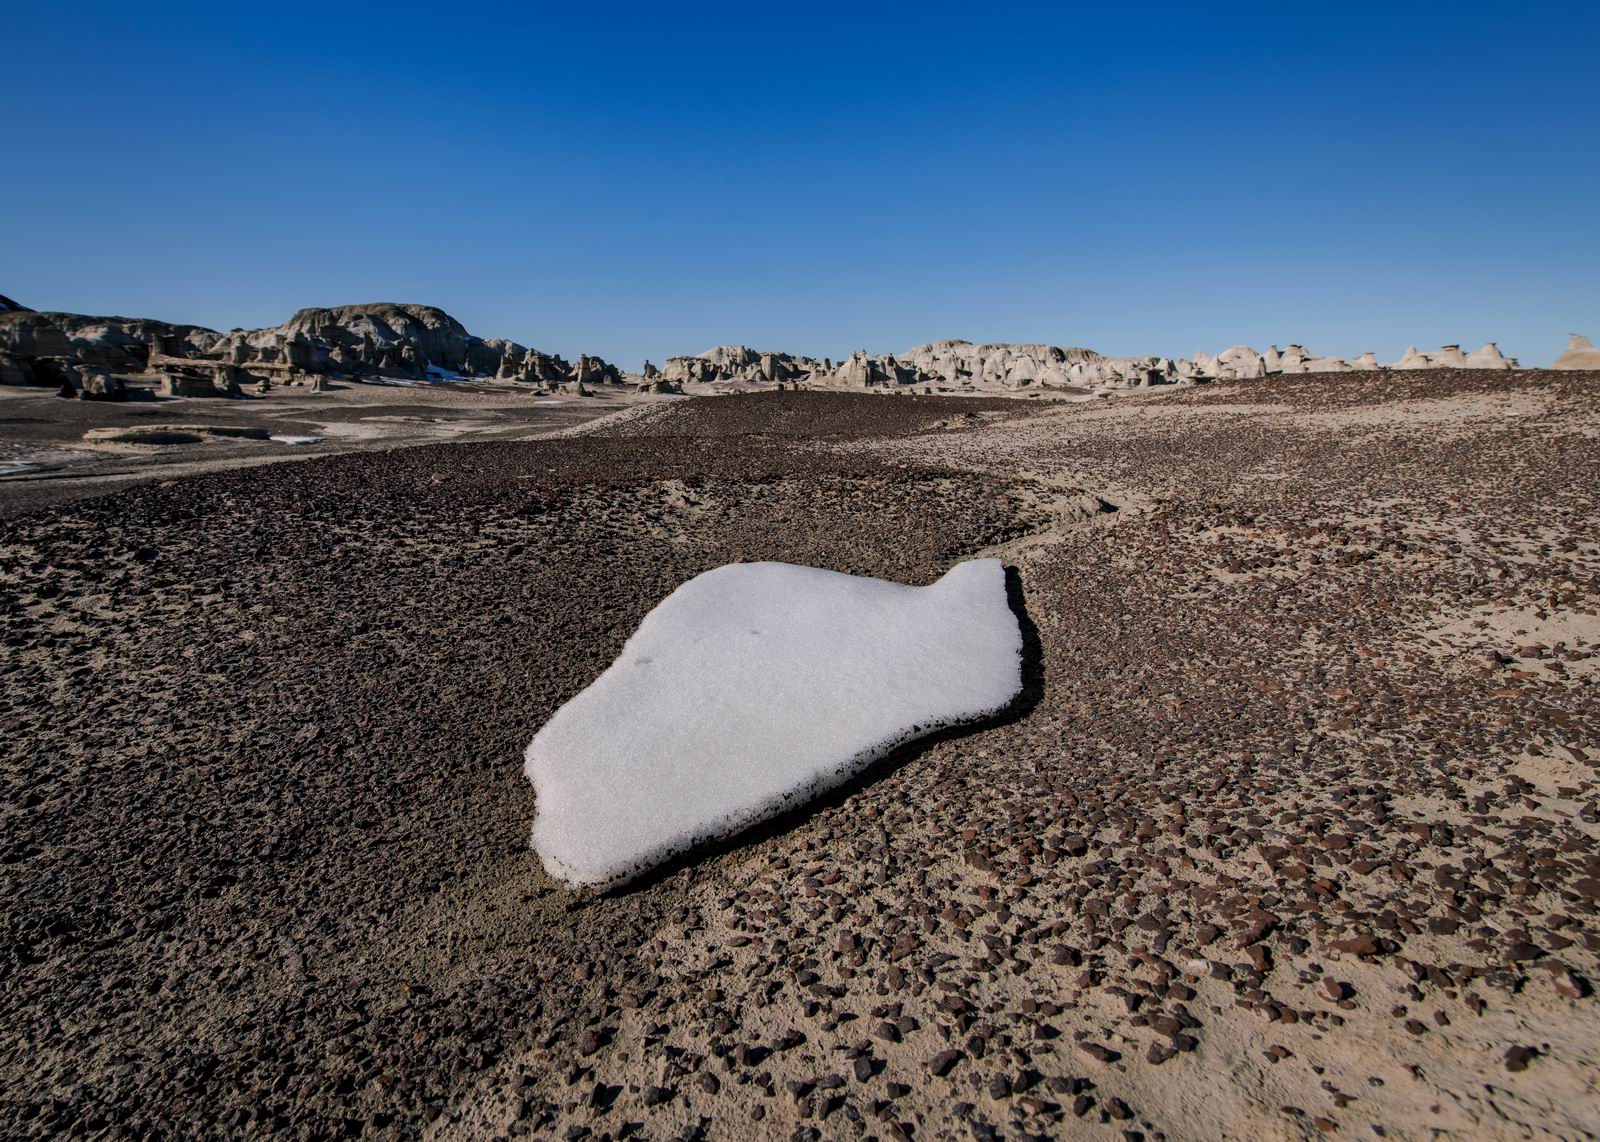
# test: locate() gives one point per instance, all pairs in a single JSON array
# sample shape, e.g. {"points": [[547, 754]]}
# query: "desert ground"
{"points": [[53, 450], [1295, 832]]}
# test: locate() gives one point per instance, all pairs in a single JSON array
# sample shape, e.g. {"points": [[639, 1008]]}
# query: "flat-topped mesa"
{"points": [[377, 339], [1580, 354]]}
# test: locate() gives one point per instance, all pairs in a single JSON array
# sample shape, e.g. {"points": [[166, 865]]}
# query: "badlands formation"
{"points": [[375, 341], [86, 356], [1580, 354], [946, 366], [1292, 832]]}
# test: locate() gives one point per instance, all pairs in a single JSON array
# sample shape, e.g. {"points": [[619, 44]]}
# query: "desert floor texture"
{"points": [[1296, 832]]}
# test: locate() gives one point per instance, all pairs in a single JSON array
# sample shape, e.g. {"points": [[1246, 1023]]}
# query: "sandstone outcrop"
{"points": [[964, 366], [1451, 357], [939, 364], [737, 363], [15, 370], [98, 385], [373, 340], [389, 339], [1580, 354], [186, 383]]}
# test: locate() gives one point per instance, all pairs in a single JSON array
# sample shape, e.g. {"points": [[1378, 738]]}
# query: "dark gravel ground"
{"points": [[263, 737], [45, 433], [1285, 845]]}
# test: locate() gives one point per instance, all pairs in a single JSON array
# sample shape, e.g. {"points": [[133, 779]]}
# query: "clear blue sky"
{"points": [[643, 180]]}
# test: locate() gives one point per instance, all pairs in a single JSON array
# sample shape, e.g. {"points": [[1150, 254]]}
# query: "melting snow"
{"points": [[297, 439], [751, 689]]}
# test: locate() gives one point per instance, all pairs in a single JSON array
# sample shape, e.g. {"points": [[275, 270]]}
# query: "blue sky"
{"points": [[639, 181]]}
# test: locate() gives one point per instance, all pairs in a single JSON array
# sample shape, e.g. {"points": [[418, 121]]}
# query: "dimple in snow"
{"points": [[751, 689]]}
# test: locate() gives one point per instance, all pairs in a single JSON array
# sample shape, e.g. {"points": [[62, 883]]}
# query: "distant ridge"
{"points": [[376, 339]]}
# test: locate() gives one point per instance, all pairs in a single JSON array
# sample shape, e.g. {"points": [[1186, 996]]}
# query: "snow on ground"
{"points": [[749, 690], [297, 439]]}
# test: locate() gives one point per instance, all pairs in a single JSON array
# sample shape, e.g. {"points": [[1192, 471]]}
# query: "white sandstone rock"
{"points": [[749, 690], [1580, 354], [1489, 357]]}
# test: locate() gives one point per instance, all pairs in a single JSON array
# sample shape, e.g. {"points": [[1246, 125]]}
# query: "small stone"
{"points": [[1518, 1058], [1357, 946], [942, 1063]]}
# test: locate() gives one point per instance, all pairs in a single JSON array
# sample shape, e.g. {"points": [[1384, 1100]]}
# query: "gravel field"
{"points": [[1294, 832]]}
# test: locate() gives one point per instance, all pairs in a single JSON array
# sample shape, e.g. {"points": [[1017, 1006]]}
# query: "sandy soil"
{"points": [[1294, 833], [49, 452]]}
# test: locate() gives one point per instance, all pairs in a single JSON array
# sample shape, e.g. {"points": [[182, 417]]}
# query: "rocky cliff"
{"points": [[376, 340], [962, 365], [390, 339]]}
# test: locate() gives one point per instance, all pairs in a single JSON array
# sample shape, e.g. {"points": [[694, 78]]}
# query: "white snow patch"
{"points": [[297, 439], [749, 690]]}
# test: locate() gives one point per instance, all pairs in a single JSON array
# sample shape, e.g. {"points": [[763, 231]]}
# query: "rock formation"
{"points": [[964, 366], [1580, 354], [98, 385], [378, 339], [187, 383], [942, 363], [15, 370], [118, 344], [388, 339]]}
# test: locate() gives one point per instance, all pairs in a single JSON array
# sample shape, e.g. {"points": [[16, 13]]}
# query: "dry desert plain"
{"points": [[1294, 833]]}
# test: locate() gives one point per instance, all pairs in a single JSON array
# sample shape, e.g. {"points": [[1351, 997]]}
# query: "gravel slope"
{"points": [[1282, 841]]}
